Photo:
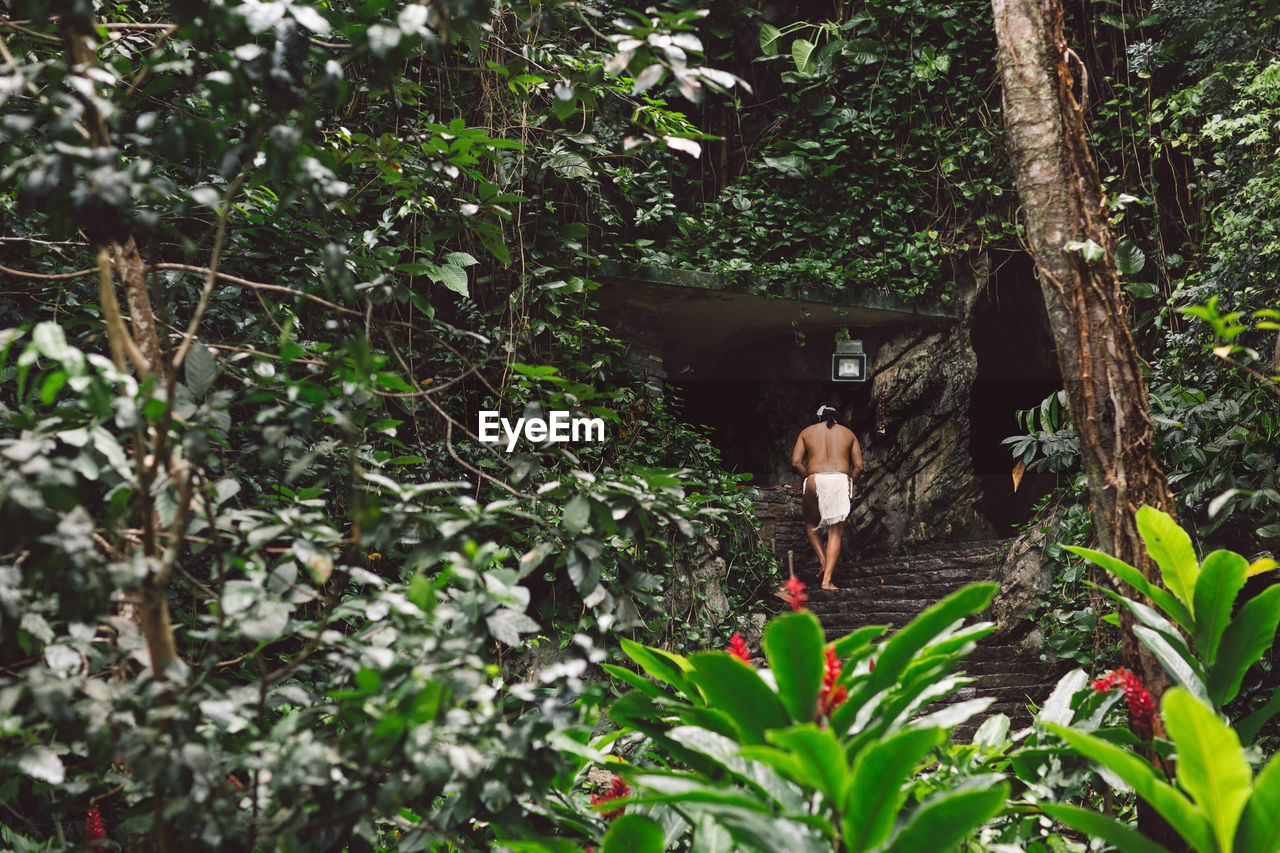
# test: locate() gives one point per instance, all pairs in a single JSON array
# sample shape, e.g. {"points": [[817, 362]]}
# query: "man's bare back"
{"points": [[825, 448]]}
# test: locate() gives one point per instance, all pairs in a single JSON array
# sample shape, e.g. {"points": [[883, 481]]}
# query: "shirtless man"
{"points": [[834, 465]]}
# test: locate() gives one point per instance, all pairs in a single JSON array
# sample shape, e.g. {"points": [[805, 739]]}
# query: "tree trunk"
{"points": [[1062, 200]]}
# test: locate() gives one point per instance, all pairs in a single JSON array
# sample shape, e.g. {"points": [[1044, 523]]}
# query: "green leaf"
{"points": [[1175, 609], [740, 692], [1160, 625], [633, 833], [854, 642], [876, 794], [577, 513], [1057, 708], [1222, 576], [1095, 825], [945, 818], [1259, 830], [1248, 728], [1188, 820], [1249, 635], [1182, 669], [199, 369], [898, 652], [1129, 258], [684, 788], [863, 51], [460, 259], [1088, 249], [769, 35], [1211, 765], [452, 277], [793, 644], [639, 682], [801, 52], [819, 753], [1170, 546], [664, 666], [993, 733]]}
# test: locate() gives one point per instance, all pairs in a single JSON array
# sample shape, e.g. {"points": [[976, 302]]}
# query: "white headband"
{"points": [[823, 408]]}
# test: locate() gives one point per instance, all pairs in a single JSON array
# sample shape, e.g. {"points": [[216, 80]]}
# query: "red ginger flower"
{"points": [[617, 790], [1142, 708], [94, 830], [738, 648], [793, 593], [830, 696]]}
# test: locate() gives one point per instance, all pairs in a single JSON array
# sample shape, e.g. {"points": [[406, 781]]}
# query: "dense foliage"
{"points": [[261, 585]]}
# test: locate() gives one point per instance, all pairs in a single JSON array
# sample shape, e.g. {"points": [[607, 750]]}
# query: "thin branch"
{"points": [[14, 25], [62, 276], [257, 285], [1267, 382]]}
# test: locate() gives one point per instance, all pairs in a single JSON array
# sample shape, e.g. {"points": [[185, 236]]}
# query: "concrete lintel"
{"points": [[700, 312]]}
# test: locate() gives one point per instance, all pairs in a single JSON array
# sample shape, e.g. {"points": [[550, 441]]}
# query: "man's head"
{"points": [[829, 414]]}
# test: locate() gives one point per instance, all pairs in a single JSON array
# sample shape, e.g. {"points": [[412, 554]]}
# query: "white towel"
{"points": [[833, 490]]}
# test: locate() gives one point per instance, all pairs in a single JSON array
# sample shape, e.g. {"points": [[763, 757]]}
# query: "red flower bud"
{"points": [[1142, 708], [738, 648], [793, 593], [94, 830], [617, 790]]}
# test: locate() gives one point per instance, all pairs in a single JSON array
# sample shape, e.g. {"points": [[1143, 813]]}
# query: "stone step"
{"points": [[850, 579], [892, 589], [848, 607]]}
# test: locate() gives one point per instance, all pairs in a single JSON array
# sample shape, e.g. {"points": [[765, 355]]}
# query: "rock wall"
{"points": [[919, 484]]}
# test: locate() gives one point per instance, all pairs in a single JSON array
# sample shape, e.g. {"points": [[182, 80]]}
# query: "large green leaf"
{"points": [[740, 692], [730, 755], [1248, 728], [1129, 258], [819, 752], [1222, 576], [945, 818], [1247, 637], [769, 35], [794, 645], [639, 682], [1259, 830], [754, 832], [1175, 609], [633, 833], [801, 53], [855, 641], [1170, 546], [1181, 669], [710, 837], [668, 668], [1095, 825], [903, 646], [1057, 708], [1185, 817], [686, 788], [875, 794], [1211, 765], [1155, 622]]}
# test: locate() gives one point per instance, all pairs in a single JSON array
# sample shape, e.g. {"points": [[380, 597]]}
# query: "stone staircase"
{"points": [[892, 590]]}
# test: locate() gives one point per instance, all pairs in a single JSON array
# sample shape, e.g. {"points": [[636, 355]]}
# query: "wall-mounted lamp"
{"points": [[849, 364]]}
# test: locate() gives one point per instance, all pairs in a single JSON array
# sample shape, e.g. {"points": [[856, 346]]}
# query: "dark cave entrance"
{"points": [[754, 421], [1017, 369]]}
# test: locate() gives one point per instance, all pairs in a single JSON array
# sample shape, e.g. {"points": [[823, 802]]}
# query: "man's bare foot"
{"points": [[827, 584]]}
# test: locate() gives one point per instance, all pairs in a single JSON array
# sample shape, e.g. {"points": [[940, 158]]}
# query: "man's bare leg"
{"points": [[812, 532], [811, 516], [834, 534]]}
